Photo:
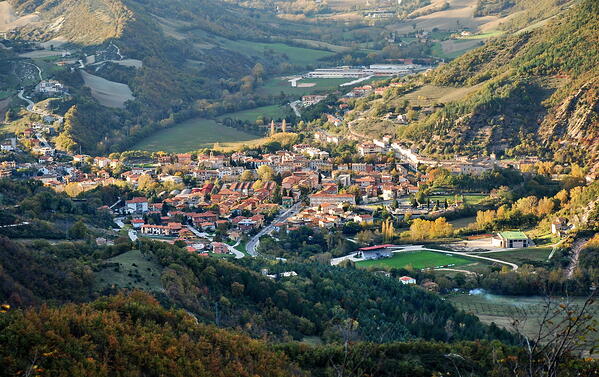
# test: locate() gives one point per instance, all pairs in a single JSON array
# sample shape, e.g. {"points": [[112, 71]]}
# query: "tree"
{"points": [[247, 176], [563, 328], [266, 173], [78, 231]]}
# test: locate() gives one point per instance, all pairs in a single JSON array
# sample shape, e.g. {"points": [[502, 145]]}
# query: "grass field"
{"points": [[196, 134], [277, 85], [135, 271], [296, 55], [468, 198], [502, 310], [521, 256], [272, 111], [416, 259], [108, 93]]}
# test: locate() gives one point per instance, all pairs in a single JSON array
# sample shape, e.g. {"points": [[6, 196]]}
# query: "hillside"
{"points": [[179, 59], [529, 93]]}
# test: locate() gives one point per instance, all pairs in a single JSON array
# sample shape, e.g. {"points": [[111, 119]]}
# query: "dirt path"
{"points": [[576, 248]]}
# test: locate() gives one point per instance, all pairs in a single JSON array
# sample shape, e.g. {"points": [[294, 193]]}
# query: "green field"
{"points": [[521, 256], [277, 85], [296, 55], [468, 198], [134, 271], [272, 111], [417, 259], [195, 134]]}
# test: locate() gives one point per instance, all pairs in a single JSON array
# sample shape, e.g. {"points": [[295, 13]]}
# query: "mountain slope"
{"points": [[531, 93]]}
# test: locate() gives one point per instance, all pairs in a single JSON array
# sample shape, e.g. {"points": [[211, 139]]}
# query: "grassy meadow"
{"points": [[195, 134]]}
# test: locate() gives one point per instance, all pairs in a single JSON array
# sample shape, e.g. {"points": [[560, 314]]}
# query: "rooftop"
{"points": [[513, 235]]}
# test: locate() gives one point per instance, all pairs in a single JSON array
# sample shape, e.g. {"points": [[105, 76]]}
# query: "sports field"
{"points": [[416, 259], [195, 134]]}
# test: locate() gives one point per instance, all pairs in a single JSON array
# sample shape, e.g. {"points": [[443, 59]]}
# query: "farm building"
{"points": [[406, 280], [511, 239]]}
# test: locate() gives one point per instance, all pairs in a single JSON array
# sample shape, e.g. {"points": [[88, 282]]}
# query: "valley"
{"points": [[326, 188]]}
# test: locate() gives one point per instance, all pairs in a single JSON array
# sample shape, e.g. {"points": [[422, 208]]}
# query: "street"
{"points": [[254, 241]]}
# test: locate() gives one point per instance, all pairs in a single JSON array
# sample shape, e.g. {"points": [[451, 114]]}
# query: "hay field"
{"points": [[108, 93]]}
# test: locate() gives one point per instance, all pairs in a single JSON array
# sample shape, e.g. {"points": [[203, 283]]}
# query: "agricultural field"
{"points": [[107, 93], [502, 310], [471, 199], [196, 134], [130, 270], [522, 256], [416, 259], [430, 94], [296, 55], [272, 112]]}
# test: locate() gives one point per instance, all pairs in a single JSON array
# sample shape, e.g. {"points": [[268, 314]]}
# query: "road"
{"points": [[233, 250], [294, 106], [576, 248], [252, 244], [14, 225], [336, 261]]}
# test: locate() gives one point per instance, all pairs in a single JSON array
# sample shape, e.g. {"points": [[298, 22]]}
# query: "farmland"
{"points": [[296, 55], [108, 93], [195, 134], [416, 259], [272, 111]]}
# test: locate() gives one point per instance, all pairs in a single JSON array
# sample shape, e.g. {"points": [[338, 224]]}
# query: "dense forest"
{"points": [[132, 334]]}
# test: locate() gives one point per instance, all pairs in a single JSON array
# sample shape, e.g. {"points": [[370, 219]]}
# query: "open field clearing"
{"points": [[458, 16], [9, 20], [522, 256], [296, 55], [272, 111], [502, 310], [416, 259], [40, 54], [431, 94], [130, 270], [318, 44], [459, 45], [195, 134], [108, 93]]}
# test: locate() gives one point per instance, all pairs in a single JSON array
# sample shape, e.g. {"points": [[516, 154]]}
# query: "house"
{"points": [[310, 100], [366, 219], [376, 252], [220, 248], [407, 280], [559, 226], [137, 223], [511, 239], [137, 205], [367, 149], [172, 229]]}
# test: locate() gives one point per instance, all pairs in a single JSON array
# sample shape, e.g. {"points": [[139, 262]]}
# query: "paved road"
{"points": [[252, 244], [199, 234], [352, 257], [233, 250], [15, 225], [294, 106]]}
